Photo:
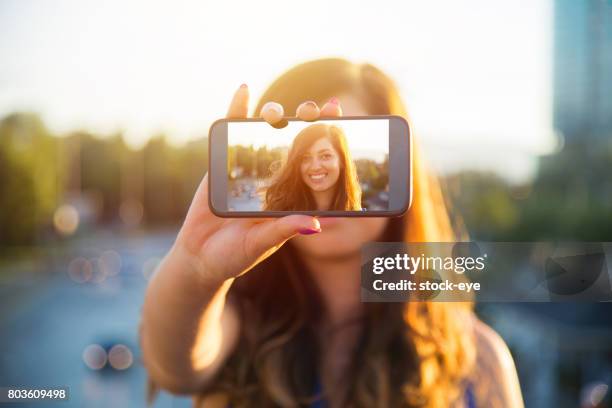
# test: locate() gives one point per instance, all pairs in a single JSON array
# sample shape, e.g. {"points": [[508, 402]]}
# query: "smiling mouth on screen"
{"points": [[317, 178]]}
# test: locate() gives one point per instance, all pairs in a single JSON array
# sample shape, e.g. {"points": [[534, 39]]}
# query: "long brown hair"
{"points": [[411, 354], [288, 192]]}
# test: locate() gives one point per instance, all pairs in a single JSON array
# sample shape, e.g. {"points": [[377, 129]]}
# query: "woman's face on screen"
{"points": [[342, 236], [320, 166]]}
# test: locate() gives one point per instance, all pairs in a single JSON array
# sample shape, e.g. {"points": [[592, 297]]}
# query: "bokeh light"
{"points": [[94, 356], [120, 357], [66, 219], [99, 274], [80, 270]]}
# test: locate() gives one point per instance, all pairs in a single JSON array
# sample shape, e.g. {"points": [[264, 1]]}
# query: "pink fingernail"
{"points": [[309, 231], [243, 85], [310, 103], [334, 101]]}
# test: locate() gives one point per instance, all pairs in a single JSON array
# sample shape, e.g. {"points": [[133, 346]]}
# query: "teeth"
{"points": [[317, 176]]}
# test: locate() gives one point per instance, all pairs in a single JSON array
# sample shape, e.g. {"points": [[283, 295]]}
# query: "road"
{"points": [[51, 312], [49, 317]]}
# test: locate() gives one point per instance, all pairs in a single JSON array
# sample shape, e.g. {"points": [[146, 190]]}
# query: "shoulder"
{"points": [[494, 379], [491, 348]]}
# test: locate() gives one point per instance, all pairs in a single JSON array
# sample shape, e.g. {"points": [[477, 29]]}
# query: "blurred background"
{"points": [[104, 111]]}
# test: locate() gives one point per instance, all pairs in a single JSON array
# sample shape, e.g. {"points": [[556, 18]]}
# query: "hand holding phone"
{"points": [[221, 248]]}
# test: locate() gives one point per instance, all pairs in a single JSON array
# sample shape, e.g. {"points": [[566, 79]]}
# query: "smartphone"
{"points": [[359, 166]]}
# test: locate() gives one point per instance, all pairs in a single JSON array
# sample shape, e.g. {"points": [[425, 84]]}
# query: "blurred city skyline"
{"points": [[476, 76]]}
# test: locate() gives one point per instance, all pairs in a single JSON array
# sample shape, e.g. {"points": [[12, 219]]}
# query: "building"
{"points": [[582, 84]]}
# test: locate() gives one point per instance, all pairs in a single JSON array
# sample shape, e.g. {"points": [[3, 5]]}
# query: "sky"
{"points": [[368, 139], [475, 74]]}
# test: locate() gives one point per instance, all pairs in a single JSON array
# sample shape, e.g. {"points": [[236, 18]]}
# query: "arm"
{"points": [[188, 329]]}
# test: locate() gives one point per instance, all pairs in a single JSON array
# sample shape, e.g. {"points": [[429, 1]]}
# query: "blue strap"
{"points": [[320, 403], [470, 399]]}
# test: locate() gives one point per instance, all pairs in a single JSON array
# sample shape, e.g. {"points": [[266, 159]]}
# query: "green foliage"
{"points": [[99, 163], [485, 203], [30, 177], [39, 172], [372, 174], [570, 198], [264, 160], [250, 162]]}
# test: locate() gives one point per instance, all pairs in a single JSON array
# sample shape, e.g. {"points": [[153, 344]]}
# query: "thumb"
{"points": [[271, 234]]}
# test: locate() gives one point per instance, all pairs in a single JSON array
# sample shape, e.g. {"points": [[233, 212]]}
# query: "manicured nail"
{"points": [[311, 104], [334, 101], [309, 231], [243, 85], [275, 108]]}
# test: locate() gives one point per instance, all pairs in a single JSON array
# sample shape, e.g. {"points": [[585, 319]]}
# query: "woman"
{"points": [[268, 312], [319, 174]]}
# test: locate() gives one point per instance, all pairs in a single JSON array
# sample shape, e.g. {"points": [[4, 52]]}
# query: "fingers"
{"points": [[239, 106], [331, 108], [200, 198], [272, 234], [308, 111], [272, 112]]}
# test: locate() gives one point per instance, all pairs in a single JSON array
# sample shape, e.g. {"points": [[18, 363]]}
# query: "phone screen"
{"points": [[356, 166], [323, 166]]}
